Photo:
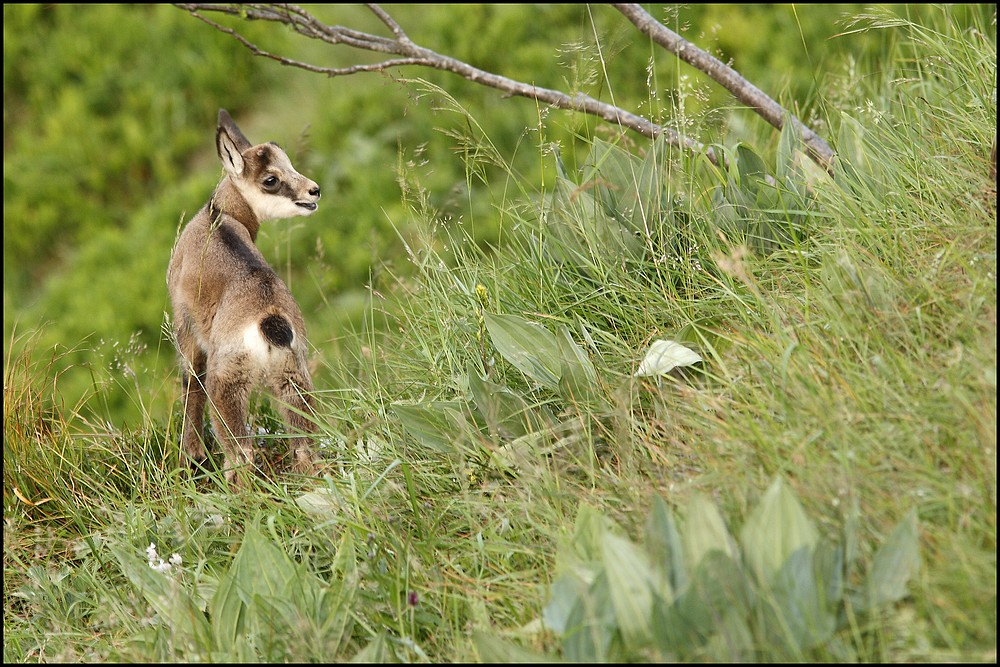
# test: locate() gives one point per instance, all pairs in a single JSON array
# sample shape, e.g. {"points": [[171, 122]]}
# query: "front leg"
{"points": [[193, 429]]}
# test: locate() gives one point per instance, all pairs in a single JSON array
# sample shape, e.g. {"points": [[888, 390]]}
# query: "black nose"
{"points": [[315, 191]]}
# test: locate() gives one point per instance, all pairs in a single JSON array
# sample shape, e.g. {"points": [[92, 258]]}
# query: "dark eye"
{"points": [[270, 182]]}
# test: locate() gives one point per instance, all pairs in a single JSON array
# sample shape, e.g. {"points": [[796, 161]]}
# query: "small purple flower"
{"points": [[412, 598]]}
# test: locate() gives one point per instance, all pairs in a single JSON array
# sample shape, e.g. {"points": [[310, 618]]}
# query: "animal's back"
{"points": [[219, 279]]}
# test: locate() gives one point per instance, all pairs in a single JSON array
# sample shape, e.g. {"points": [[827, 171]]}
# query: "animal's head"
{"points": [[263, 174]]}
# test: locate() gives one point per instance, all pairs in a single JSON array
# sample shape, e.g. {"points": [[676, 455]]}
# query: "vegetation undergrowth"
{"points": [[504, 485]]}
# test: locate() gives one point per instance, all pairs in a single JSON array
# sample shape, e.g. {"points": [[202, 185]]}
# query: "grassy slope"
{"points": [[860, 363]]}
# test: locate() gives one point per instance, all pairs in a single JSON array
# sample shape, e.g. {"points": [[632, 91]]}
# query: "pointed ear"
{"points": [[230, 144]]}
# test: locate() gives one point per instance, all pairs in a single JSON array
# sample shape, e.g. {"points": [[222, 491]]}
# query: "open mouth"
{"points": [[309, 206]]}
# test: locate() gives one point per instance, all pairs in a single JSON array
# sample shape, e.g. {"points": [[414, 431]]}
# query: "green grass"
{"points": [[849, 333]]}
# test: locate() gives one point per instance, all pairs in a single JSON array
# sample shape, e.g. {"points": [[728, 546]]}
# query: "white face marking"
{"points": [[272, 206], [268, 206]]}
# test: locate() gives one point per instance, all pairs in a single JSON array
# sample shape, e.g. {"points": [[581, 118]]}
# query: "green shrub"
{"points": [[694, 593]]}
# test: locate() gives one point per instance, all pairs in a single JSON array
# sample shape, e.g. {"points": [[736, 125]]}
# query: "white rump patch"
{"points": [[255, 344]]}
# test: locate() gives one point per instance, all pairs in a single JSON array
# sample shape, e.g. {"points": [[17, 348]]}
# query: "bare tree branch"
{"points": [[408, 52], [329, 71], [729, 78], [413, 54]]}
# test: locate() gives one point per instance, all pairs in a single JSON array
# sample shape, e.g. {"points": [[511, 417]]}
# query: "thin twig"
{"points": [[410, 53], [328, 71], [413, 54]]}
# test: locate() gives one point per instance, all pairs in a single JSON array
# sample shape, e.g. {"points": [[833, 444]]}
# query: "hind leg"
{"points": [[228, 390], [293, 388]]}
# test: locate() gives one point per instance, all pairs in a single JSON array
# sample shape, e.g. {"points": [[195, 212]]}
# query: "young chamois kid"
{"points": [[237, 324]]}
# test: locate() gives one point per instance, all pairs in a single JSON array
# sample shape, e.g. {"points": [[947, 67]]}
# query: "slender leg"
{"points": [[193, 382], [293, 389], [229, 397]]}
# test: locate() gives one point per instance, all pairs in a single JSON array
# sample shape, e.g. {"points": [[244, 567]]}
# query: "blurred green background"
{"points": [[109, 116]]}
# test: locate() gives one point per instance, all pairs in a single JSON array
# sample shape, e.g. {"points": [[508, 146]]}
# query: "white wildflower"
{"points": [[157, 563]]}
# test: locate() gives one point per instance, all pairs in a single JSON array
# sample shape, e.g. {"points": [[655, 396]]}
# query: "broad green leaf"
{"points": [[724, 156], [789, 172], [663, 541], [611, 163], [264, 592], [493, 650], [437, 425], [589, 532], [788, 144], [752, 170], [346, 560], [560, 165], [664, 356], [531, 348], [228, 612], [801, 617], [649, 186], [717, 586], [775, 529], [171, 601], [631, 585], [578, 562], [337, 621], [828, 564], [262, 568], [814, 177], [590, 228], [258, 573], [612, 171], [563, 597], [852, 168], [705, 531], [732, 641], [850, 141], [322, 501], [895, 563], [578, 382], [852, 523], [506, 414], [591, 624]]}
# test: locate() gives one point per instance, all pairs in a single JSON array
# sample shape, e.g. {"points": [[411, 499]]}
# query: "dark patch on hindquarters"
{"points": [[277, 331]]}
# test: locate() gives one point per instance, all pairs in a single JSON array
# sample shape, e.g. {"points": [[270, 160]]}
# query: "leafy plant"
{"points": [[553, 363], [265, 606], [694, 592]]}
